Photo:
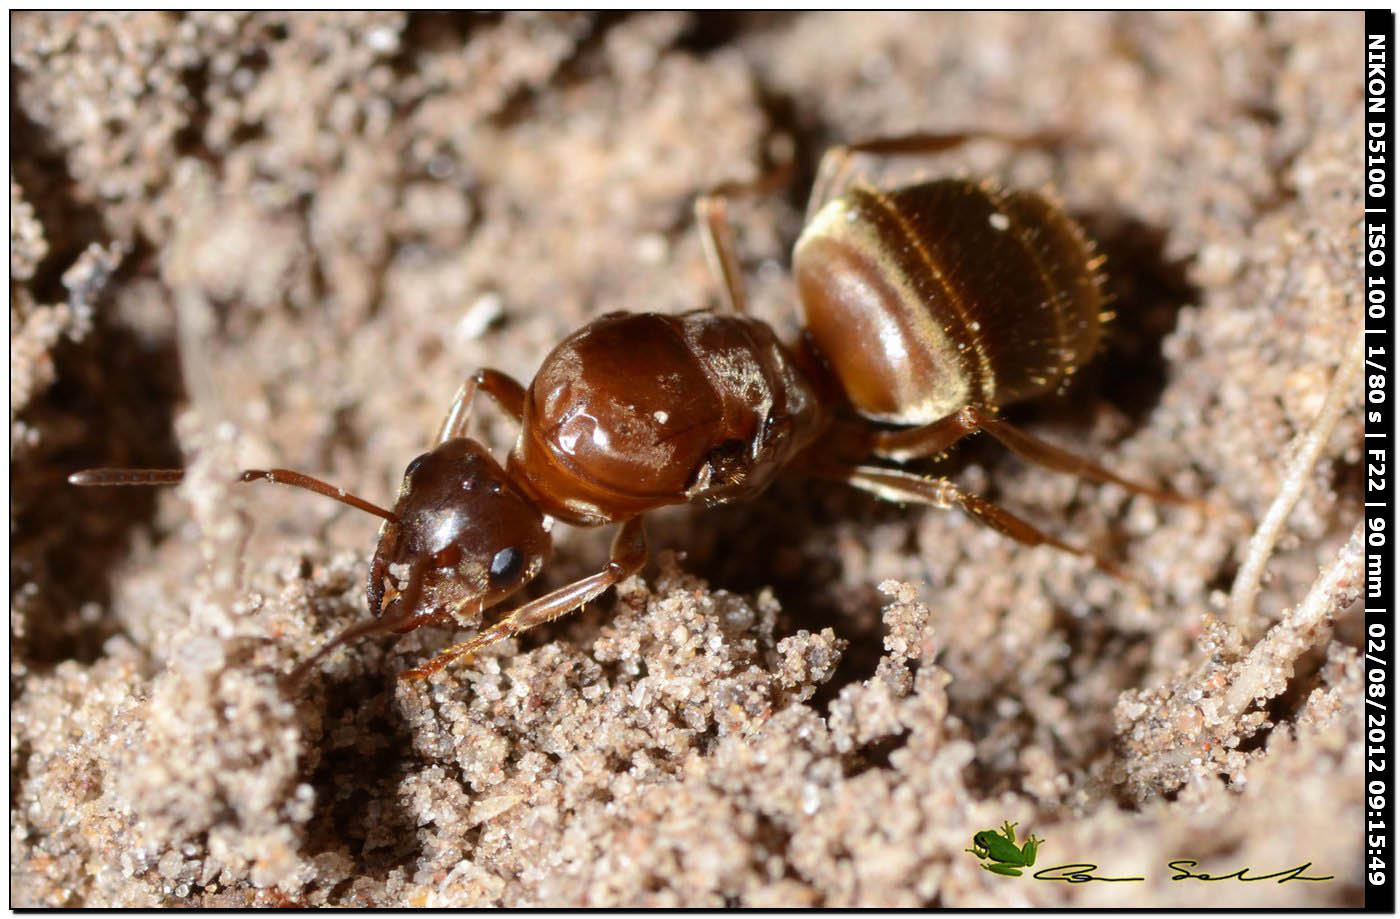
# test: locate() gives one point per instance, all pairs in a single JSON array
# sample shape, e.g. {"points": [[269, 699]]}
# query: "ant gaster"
{"points": [[927, 307]]}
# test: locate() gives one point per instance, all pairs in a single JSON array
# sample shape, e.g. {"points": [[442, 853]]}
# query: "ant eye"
{"points": [[413, 466], [505, 567]]}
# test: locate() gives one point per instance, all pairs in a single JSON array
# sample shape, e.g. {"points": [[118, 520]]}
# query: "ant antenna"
{"points": [[92, 477], [100, 477]]}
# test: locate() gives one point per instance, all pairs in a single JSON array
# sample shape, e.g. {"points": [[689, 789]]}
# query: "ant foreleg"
{"points": [[358, 630], [629, 554], [904, 487], [506, 392], [932, 439]]}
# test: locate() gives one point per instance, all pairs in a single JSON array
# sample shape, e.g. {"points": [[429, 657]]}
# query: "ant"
{"points": [[927, 308]]}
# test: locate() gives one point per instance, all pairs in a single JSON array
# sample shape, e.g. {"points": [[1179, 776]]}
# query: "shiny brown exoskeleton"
{"points": [[926, 307]]}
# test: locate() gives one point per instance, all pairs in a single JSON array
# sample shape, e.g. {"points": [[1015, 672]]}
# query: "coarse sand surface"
{"points": [[252, 240]]}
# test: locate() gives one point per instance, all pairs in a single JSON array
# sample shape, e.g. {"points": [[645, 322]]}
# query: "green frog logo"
{"points": [[1000, 851]]}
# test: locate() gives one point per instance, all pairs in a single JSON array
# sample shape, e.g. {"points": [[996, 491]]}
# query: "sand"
{"points": [[251, 240]]}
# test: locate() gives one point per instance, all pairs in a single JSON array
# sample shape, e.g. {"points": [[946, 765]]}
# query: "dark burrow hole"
{"points": [[1146, 292], [874, 755], [112, 403], [345, 819], [710, 31], [1284, 708]]}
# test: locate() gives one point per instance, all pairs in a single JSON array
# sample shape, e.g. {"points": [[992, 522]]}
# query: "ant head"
{"points": [[465, 537]]}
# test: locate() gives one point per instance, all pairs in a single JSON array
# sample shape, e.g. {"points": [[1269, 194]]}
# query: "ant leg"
{"points": [[931, 439], [837, 160], [925, 440], [711, 214], [359, 630], [506, 392], [904, 487], [629, 554], [717, 234]]}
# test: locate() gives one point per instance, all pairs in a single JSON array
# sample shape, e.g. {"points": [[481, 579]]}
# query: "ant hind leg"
{"points": [[932, 439], [907, 488], [717, 233], [836, 162]]}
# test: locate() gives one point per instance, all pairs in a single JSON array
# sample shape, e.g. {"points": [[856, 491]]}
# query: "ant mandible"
{"points": [[927, 307]]}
